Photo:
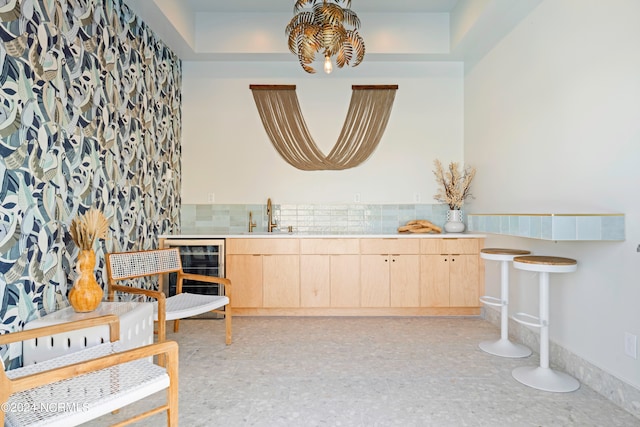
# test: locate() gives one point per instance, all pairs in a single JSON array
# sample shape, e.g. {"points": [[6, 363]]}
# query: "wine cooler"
{"points": [[198, 256]]}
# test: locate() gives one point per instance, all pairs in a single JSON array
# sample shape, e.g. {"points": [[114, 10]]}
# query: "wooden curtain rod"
{"points": [[361, 87], [293, 87], [272, 87]]}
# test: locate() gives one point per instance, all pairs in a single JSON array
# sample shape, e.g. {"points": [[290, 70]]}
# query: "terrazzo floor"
{"points": [[361, 372]]}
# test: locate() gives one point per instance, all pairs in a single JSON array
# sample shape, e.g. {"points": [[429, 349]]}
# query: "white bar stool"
{"points": [[502, 347], [543, 377]]}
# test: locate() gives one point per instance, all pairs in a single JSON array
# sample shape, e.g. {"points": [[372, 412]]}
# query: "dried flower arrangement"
{"points": [[87, 228], [454, 186]]}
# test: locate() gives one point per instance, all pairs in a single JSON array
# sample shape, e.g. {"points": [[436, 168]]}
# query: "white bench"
{"points": [[136, 330]]}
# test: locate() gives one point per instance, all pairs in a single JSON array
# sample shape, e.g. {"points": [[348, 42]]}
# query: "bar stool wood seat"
{"points": [[503, 347], [543, 377]]}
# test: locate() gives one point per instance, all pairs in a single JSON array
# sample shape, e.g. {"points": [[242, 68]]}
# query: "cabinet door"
{"points": [[281, 281], [374, 281], [315, 288], [464, 281], [245, 273], [434, 280], [345, 280], [404, 280]]}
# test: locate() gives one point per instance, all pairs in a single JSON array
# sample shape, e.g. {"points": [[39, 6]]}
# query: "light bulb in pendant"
{"points": [[328, 66]]}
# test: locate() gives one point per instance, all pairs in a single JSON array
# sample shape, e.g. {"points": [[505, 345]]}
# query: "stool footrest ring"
{"points": [[496, 302], [527, 319]]}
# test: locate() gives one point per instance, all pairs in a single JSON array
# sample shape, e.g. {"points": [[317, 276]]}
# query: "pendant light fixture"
{"points": [[321, 29]]}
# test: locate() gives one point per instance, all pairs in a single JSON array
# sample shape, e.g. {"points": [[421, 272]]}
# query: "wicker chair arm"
{"points": [[138, 291], [207, 279]]}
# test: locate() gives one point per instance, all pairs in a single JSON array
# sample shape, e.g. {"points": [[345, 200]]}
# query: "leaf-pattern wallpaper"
{"points": [[90, 115]]}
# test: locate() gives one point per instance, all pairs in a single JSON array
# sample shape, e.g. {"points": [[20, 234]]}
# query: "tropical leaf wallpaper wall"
{"points": [[90, 115]]}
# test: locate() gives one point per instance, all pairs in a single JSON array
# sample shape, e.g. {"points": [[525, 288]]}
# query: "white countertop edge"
{"points": [[276, 235]]}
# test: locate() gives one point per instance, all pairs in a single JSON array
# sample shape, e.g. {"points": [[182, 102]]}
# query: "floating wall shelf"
{"points": [[566, 227]]}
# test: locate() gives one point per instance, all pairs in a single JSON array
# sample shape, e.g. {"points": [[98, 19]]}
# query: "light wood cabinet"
{"points": [[390, 274], [329, 273], [450, 273], [345, 281], [264, 272], [404, 283], [434, 281], [464, 283], [315, 280], [245, 273], [281, 281], [374, 277], [355, 276]]}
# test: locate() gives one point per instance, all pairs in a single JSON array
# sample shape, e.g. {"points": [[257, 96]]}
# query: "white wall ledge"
{"points": [[551, 226]]}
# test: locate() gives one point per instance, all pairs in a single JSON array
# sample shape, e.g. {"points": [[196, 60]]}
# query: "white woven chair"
{"points": [[72, 389], [130, 265]]}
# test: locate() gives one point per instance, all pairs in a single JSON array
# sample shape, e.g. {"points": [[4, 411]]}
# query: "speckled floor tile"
{"points": [[361, 372]]}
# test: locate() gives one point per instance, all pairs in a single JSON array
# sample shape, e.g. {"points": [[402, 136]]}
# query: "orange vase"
{"points": [[86, 294]]}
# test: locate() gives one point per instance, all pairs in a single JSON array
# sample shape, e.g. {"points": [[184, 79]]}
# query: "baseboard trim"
{"points": [[617, 391]]}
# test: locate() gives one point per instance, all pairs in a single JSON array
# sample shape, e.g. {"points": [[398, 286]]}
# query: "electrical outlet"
{"points": [[356, 198], [212, 198], [416, 198], [631, 345]]}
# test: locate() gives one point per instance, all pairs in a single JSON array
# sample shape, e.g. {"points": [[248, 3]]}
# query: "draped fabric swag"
{"points": [[364, 125]]}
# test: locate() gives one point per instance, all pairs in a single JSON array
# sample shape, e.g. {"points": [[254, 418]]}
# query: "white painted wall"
{"points": [[552, 122], [227, 152]]}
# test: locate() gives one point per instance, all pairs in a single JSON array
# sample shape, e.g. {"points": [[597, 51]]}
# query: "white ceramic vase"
{"points": [[454, 222]]}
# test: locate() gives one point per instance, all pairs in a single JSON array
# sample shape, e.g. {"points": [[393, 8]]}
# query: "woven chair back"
{"points": [[130, 265]]}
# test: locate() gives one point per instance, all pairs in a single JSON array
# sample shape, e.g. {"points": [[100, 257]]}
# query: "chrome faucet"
{"points": [[270, 223], [252, 223]]}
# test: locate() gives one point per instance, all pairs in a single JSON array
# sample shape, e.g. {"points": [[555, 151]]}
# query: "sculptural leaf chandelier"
{"points": [[322, 30]]}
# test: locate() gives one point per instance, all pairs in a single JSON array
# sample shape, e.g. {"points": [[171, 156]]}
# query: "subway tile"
{"points": [[204, 212], [378, 218], [546, 227], [524, 226], [564, 228], [514, 225], [504, 224], [588, 228], [535, 227], [613, 227]]}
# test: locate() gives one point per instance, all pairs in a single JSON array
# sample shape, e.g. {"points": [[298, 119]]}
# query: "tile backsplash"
{"points": [[586, 227], [309, 219]]}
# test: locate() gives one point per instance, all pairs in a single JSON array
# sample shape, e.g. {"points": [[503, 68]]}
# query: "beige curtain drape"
{"points": [[364, 125]]}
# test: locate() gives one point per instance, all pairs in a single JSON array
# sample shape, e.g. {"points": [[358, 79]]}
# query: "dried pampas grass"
{"points": [[454, 186], [87, 228]]}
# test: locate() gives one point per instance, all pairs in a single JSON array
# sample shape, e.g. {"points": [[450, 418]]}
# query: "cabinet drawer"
{"points": [[389, 246], [329, 246], [263, 246], [450, 246]]}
